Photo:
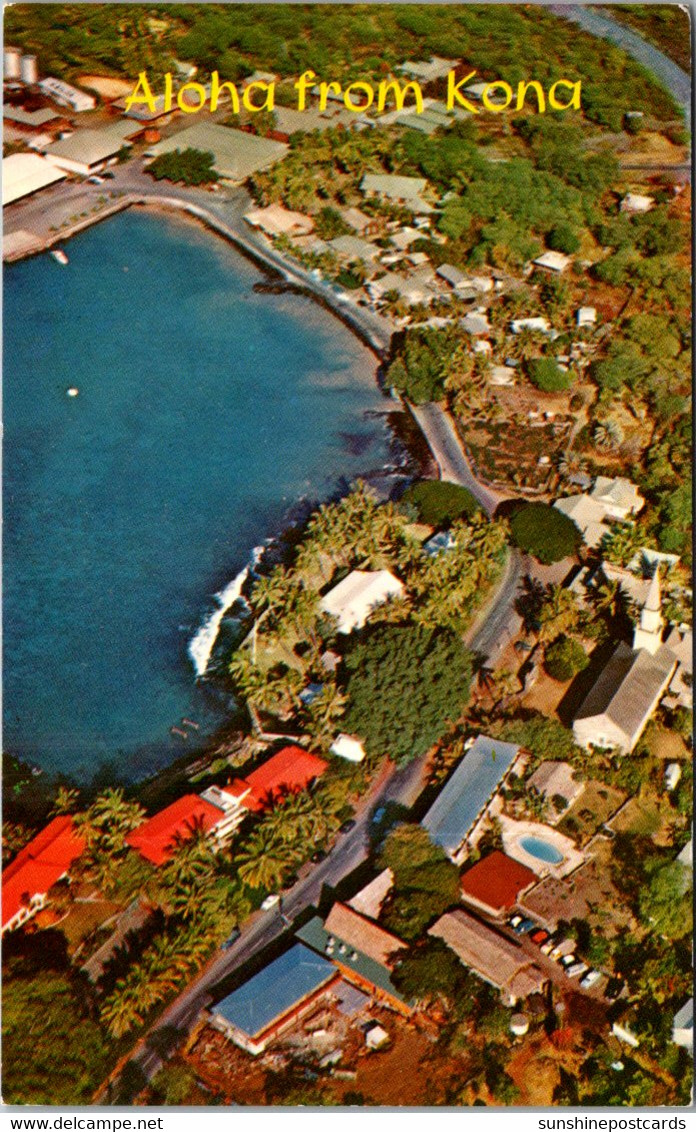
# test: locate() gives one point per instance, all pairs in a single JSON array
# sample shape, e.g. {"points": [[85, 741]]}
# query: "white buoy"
{"points": [[73, 391]]}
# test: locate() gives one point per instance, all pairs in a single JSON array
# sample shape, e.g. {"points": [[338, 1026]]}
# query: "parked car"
{"points": [[547, 947], [271, 901], [524, 927], [232, 938], [95, 180], [614, 988], [590, 979], [347, 826], [107, 175], [320, 855], [539, 937], [564, 946], [576, 969], [515, 920], [568, 960]]}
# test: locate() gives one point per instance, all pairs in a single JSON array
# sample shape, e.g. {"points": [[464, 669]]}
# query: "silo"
{"points": [[11, 63], [30, 71]]}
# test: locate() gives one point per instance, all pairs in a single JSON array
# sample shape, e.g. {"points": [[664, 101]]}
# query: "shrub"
{"points": [[564, 658], [192, 166], [563, 238], [439, 503], [548, 376], [545, 532]]}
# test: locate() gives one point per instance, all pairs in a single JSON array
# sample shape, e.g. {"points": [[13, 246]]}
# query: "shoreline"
{"points": [[298, 282]]}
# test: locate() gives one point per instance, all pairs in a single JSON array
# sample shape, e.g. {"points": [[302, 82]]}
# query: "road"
{"points": [[603, 26], [438, 429]]}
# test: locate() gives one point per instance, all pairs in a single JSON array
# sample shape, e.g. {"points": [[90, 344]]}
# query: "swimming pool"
{"points": [[542, 850]]}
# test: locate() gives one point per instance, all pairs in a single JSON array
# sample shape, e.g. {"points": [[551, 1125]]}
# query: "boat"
{"points": [[59, 255], [72, 391]]}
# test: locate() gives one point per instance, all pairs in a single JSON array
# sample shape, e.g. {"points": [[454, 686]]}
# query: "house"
{"points": [[618, 496], [537, 322], [354, 598], [475, 323], [588, 515], [87, 152], [489, 955], [686, 856], [442, 541], [672, 775], [289, 121], [586, 316], [636, 202], [457, 814], [361, 950], [683, 1026], [404, 237], [33, 121], [66, 95], [237, 155], [369, 900], [28, 879], [290, 770], [352, 248], [413, 288], [26, 173], [278, 221], [157, 838], [452, 275], [141, 112], [501, 375], [428, 72], [361, 223], [275, 999], [553, 261], [493, 885], [347, 747], [407, 191], [556, 782]]}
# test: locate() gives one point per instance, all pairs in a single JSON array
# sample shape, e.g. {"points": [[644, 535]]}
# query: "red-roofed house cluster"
{"points": [[36, 868], [220, 809]]}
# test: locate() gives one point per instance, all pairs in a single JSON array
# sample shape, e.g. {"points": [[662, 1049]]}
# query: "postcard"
{"points": [[348, 677]]}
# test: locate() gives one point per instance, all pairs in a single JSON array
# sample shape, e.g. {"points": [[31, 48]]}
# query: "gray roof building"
{"points": [[237, 155], [87, 151], [465, 797], [491, 956], [617, 708], [253, 1013]]}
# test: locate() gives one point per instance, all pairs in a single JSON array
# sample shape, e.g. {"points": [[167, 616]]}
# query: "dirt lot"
{"points": [[594, 806]]}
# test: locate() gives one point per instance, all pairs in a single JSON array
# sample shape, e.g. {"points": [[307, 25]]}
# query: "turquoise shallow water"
{"points": [[205, 412]]}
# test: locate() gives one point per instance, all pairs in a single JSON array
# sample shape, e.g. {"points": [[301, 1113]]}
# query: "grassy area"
{"points": [[596, 803]]}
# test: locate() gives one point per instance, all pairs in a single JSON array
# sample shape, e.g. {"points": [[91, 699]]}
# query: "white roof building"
{"points": [[452, 275], [26, 173], [276, 221], [88, 151], [618, 496], [588, 516], [680, 693], [618, 707], [636, 202], [436, 68], [537, 322], [475, 323], [346, 747], [237, 155], [414, 288], [556, 780], [353, 599], [402, 190], [352, 247], [553, 261], [586, 316], [66, 95]]}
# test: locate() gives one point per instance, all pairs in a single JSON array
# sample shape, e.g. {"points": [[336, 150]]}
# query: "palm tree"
{"points": [[65, 802], [558, 613], [323, 713], [622, 544], [107, 821], [264, 861]]}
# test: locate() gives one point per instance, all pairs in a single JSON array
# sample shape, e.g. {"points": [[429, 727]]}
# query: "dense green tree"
{"points": [[425, 881], [405, 685], [665, 902], [545, 532], [190, 166], [548, 376], [565, 658], [439, 503]]}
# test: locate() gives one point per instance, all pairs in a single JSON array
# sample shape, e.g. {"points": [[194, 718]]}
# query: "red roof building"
{"points": [[157, 838], [292, 769], [495, 883], [36, 868]]}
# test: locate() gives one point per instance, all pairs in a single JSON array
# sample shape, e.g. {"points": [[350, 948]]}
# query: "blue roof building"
{"points": [[466, 796], [274, 998]]}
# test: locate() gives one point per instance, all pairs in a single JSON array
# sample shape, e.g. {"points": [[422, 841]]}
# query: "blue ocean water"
{"points": [[205, 411]]}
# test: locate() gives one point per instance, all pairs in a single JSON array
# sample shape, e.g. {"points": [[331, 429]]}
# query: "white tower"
{"points": [[648, 633], [30, 70], [11, 63]]}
